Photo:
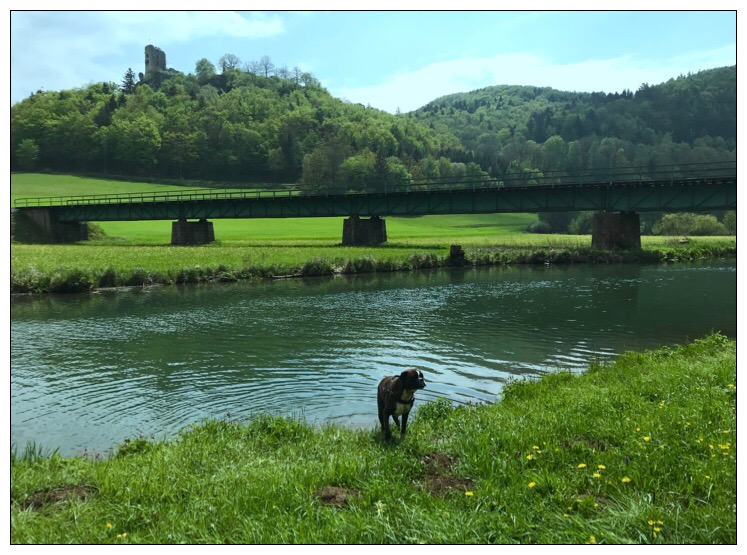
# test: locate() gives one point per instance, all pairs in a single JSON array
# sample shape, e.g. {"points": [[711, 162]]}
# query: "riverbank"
{"points": [[639, 451], [79, 268]]}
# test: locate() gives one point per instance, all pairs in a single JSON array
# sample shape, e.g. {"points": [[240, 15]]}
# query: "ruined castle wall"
{"points": [[155, 59]]}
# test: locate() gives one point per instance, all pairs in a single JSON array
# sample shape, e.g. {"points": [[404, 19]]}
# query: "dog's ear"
{"points": [[403, 375]]}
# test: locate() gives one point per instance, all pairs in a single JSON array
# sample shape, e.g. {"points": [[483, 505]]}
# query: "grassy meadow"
{"points": [[640, 451], [137, 253]]}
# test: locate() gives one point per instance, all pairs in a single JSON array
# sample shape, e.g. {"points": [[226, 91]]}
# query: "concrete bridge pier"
{"points": [[359, 232], [40, 225], [192, 233], [616, 230]]}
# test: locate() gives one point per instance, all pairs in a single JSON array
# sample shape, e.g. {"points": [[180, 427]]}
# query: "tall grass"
{"points": [[640, 451]]}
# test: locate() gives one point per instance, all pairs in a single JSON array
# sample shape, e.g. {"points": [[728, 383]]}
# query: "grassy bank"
{"points": [[640, 451], [76, 268]]}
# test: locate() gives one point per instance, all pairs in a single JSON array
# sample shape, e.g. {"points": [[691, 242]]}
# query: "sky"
{"points": [[386, 59]]}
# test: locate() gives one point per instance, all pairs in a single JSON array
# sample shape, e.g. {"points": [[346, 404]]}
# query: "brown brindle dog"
{"points": [[395, 398]]}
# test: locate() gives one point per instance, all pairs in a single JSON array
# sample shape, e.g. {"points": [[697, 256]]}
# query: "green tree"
{"points": [[27, 154], [205, 70], [137, 143], [357, 171], [554, 152], [178, 149], [128, 83]]}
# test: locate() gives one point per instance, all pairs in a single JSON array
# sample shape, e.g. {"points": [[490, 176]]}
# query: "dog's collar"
{"points": [[408, 397]]}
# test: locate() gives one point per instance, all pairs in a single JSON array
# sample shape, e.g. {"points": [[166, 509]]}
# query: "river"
{"points": [[89, 371]]}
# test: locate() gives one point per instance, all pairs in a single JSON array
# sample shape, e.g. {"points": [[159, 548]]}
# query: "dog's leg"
{"points": [[385, 427], [404, 425], [396, 421]]}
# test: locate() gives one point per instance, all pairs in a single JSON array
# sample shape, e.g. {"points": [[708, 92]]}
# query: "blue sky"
{"points": [[390, 60]]}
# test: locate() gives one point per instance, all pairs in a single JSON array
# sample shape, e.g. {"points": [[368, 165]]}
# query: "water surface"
{"points": [[89, 371]]}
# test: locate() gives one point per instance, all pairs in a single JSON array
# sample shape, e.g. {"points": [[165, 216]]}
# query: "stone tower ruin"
{"points": [[155, 59]]}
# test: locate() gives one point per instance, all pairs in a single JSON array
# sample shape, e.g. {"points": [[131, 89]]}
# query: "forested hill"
{"points": [[689, 119], [250, 126], [234, 125]]}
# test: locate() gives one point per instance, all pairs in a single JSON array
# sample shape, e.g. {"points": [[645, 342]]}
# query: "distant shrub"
{"points": [[424, 260], [317, 268], [581, 224], [138, 276], [540, 227], [95, 232], [686, 223], [70, 281], [108, 278], [730, 222]]}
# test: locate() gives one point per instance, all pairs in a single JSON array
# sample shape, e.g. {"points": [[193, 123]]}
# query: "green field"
{"points": [[642, 451]]}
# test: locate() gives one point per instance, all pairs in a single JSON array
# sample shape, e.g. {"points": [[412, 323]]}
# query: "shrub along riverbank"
{"points": [[78, 268], [639, 451]]}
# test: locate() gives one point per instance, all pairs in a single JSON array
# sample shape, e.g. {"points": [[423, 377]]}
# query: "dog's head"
{"points": [[412, 379]]}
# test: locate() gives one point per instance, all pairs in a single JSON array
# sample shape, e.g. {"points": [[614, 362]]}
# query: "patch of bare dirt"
{"points": [[439, 479], [336, 496], [52, 496]]}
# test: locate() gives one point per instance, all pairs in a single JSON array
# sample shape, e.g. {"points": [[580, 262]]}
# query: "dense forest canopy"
{"points": [[691, 119], [263, 123]]}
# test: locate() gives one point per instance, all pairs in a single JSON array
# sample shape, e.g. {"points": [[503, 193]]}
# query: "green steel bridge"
{"points": [[697, 187]]}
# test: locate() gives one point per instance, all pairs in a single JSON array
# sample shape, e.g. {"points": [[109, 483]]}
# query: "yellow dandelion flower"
{"points": [[530, 457], [637, 429], [651, 523], [108, 524], [582, 465], [657, 529], [592, 540], [539, 451], [597, 475], [532, 484], [119, 535], [468, 493], [625, 480], [647, 438], [660, 522], [535, 447], [707, 477], [601, 467]]}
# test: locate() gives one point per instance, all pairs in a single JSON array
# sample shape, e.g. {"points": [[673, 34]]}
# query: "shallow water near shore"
{"points": [[89, 371]]}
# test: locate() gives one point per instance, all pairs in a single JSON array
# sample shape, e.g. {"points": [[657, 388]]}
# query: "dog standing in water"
{"points": [[395, 398]]}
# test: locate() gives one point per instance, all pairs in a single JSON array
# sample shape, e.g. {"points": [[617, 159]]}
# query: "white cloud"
{"points": [[61, 50], [411, 90]]}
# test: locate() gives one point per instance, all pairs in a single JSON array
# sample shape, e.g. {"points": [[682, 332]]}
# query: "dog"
{"points": [[396, 394]]}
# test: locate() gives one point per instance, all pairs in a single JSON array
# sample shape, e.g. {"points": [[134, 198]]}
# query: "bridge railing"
{"points": [[529, 178]]}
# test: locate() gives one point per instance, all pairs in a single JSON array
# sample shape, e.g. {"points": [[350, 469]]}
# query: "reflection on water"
{"points": [[88, 371]]}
